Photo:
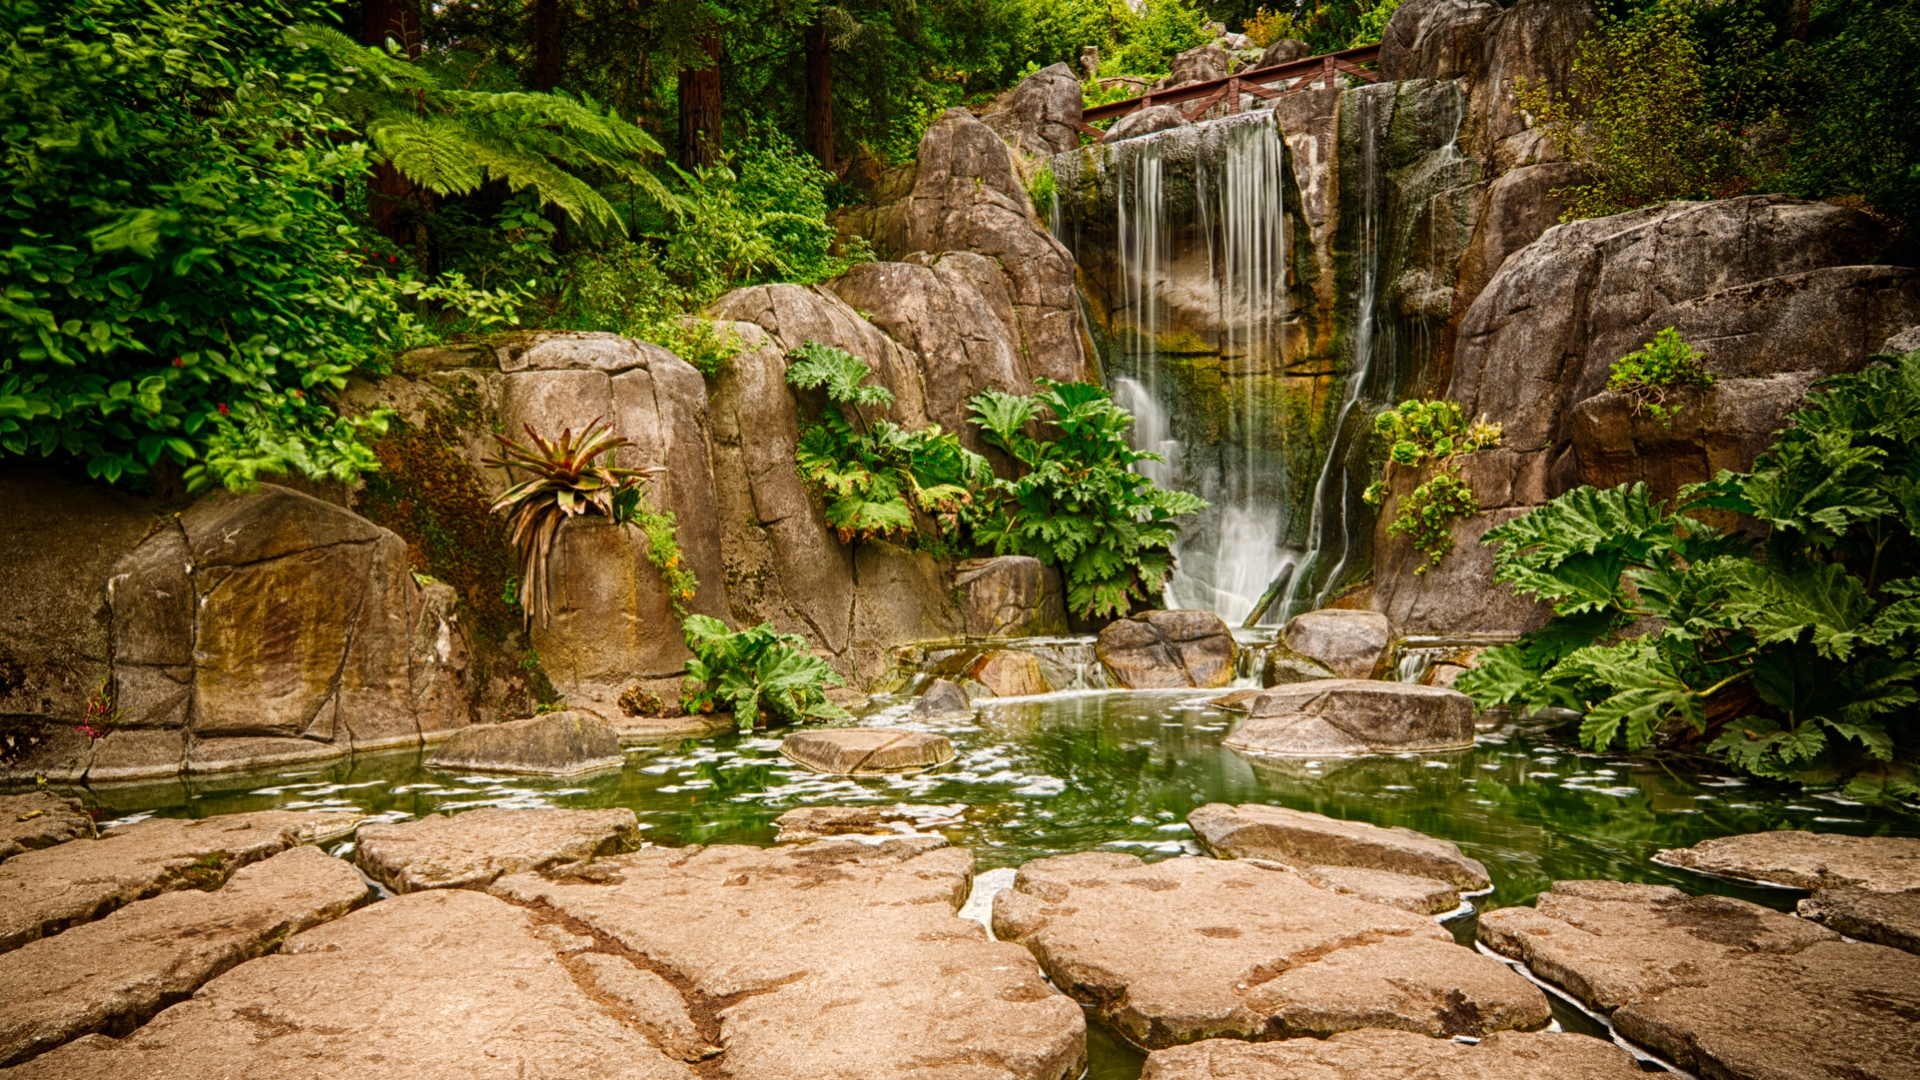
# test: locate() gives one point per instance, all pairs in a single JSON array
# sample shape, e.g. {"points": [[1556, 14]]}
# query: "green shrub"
{"points": [[1041, 189], [755, 672], [1422, 434], [1648, 373], [1149, 39]]}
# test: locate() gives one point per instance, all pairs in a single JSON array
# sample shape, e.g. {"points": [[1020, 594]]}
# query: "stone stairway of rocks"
{"points": [[555, 943]]}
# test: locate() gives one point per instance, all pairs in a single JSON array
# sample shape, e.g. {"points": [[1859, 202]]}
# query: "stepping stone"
{"points": [[1298, 838], [44, 892], [1192, 949], [1335, 717], [807, 823], [469, 850], [942, 700], [39, 819], [1890, 919], [859, 751], [1377, 1054], [842, 959], [450, 984], [116, 972], [1805, 860], [1168, 650], [1352, 643], [555, 744], [1421, 895]]}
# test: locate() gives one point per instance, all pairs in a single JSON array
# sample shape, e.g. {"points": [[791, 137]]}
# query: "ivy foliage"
{"points": [[1795, 653], [1075, 502], [757, 672], [1430, 434], [1648, 373]]}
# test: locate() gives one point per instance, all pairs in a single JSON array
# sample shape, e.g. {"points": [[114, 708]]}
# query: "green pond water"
{"points": [[1120, 770]]}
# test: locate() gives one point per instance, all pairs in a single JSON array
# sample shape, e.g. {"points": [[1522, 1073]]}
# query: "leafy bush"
{"points": [[1649, 372], [1796, 652], [1434, 433], [1149, 39], [1266, 26], [1373, 23], [1042, 190], [757, 671], [873, 474], [1076, 504]]}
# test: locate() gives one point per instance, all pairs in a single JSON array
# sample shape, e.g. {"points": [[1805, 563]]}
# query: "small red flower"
{"points": [[177, 362], [222, 407], [296, 393]]}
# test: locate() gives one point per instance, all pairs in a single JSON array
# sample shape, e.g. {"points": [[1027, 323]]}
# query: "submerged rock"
{"points": [[1804, 860], [470, 849], [117, 972], [1352, 643], [1300, 839], [1192, 949], [1374, 1054], [1011, 596], [1168, 649], [942, 700], [1010, 673], [40, 819], [859, 751], [1884, 918], [555, 744], [1355, 716]]}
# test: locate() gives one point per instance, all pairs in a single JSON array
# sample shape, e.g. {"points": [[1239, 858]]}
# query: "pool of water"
{"points": [[1118, 770]]}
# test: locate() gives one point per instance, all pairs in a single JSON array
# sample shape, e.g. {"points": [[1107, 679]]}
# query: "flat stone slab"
{"points": [[1299, 838], [470, 849], [39, 819], [1890, 919], [1190, 949], [805, 823], [116, 972], [1805, 860], [1422, 895], [1335, 717], [44, 892], [1376, 1054], [840, 958], [443, 985], [857, 751], [556, 744]]}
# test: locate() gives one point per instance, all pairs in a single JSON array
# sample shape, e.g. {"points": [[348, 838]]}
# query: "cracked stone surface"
{"points": [[116, 972], [1298, 838], [1375, 1054], [856, 751], [1191, 949], [436, 985], [834, 959], [1421, 895], [39, 819], [43, 892], [470, 850], [656, 1007], [1807, 860], [1890, 919]]}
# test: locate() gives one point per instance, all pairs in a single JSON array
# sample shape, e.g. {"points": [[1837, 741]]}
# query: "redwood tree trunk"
{"points": [[549, 44], [819, 116], [700, 108], [388, 192]]}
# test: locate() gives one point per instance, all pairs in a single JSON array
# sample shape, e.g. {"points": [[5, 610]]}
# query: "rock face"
{"points": [[40, 819], [1884, 918], [44, 892], [1352, 643], [1010, 596], [1042, 114], [1355, 716], [1009, 673], [857, 751], [1805, 860], [434, 985], [470, 849], [118, 971], [1192, 949], [1434, 39], [812, 944], [556, 744], [1167, 649], [942, 700], [1300, 839], [1372, 1054]]}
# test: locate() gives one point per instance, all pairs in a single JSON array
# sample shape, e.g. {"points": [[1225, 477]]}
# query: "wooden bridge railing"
{"points": [[1206, 95]]}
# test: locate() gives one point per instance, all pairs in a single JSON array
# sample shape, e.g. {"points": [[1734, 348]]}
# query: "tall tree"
{"points": [[819, 110], [388, 192], [549, 44], [700, 105]]}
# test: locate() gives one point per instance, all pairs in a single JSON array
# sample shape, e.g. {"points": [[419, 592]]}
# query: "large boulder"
{"points": [[1010, 596], [1355, 716], [942, 700], [863, 751], [1168, 649], [1376, 1054], [1202, 63], [469, 850], [1534, 41], [1009, 673], [1041, 115], [1352, 643], [1804, 860], [1300, 839], [1146, 121], [40, 819], [563, 743], [1190, 949], [1284, 50], [1434, 39]]}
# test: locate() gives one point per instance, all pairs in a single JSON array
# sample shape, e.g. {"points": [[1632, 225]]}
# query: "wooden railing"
{"points": [[1205, 95]]}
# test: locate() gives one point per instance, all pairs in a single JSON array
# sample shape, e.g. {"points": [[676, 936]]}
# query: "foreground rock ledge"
{"points": [[39, 819], [1374, 1054], [1355, 716], [1192, 949], [470, 849], [1890, 919], [832, 959], [556, 744], [1299, 839], [1805, 860], [857, 751]]}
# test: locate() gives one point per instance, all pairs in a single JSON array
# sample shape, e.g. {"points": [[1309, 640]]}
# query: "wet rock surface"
{"points": [[39, 820], [1397, 1055], [1010, 596], [1355, 716], [556, 744], [823, 958], [1805, 860], [115, 973], [1285, 666], [942, 700], [1192, 949], [857, 751], [46, 891], [1168, 650], [1884, 918], [1352, 643], [816, 822], [1299, 839], [1009, 673], [469, 850]]}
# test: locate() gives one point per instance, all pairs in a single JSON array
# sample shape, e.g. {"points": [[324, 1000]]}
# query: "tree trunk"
{"points": [[700, 108], [388, 192], [819, 118], [549, 44]]}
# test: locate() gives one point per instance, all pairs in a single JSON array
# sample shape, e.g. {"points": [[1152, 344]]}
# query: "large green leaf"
{"points": [[1819, 600]]}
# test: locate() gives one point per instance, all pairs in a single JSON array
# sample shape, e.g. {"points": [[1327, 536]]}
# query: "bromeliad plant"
{"points": [[1796, 653], [757, 671], [1076, 503], [1434, 434]]}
